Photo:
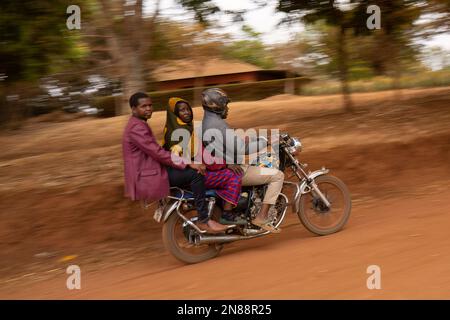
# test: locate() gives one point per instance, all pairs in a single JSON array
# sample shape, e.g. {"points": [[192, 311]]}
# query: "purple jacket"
{"points": [[144, 161]]}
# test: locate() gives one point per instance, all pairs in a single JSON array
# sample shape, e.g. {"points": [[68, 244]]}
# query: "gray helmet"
{"points": [[215, 100]]}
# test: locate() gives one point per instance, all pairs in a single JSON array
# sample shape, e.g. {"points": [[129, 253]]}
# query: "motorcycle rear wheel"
{"points": [[177, 244], [319, 219]]}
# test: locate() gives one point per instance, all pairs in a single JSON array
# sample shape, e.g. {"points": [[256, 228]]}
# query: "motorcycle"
{"points": [[321, 201]]}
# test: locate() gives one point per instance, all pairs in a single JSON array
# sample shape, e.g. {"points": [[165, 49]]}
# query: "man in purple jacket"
{"points": [[149, 169]]}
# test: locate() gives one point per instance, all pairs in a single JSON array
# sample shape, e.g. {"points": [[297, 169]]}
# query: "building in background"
{"points": [[185, 74]]}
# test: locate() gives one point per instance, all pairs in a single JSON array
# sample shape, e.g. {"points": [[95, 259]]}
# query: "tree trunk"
{"points": [[128, 49], [133, 51], [199, 82], [343, 70], [396, 84], [133, 80], [397, 69]]}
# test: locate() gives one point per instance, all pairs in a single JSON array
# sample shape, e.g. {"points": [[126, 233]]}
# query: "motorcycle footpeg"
{"points": [[249, 232]]}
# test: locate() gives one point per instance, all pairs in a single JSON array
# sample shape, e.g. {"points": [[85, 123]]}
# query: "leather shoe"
{"points": [[212, 226]]}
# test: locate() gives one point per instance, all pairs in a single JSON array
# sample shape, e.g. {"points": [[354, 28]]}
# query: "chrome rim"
{"points": [[316, 211]]}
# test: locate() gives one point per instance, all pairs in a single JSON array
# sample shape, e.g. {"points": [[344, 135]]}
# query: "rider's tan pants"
{"points": [[256, 176]]}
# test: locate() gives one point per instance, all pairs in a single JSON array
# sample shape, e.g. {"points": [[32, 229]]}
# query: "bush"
{"points": [[357, 73], [107, 104], [421, 80]]}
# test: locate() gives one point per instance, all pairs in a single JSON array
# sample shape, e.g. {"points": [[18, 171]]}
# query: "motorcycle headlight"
{"points": [[295, 146]]}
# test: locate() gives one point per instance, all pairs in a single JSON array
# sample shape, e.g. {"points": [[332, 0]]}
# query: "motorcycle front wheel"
{"points": [[176, 233], [316, 216]]}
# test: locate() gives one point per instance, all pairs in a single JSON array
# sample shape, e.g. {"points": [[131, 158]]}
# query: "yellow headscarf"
{"points": [[173, 122]]}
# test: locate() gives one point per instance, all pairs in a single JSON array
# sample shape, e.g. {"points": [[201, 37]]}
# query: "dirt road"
{"points": [[406, 237], [61, 203]]}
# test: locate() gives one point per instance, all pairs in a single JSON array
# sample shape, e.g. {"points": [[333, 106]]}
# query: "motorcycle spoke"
{"points": [[330, 217], [182, 240]]}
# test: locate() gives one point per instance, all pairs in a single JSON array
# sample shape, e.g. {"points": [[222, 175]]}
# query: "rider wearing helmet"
{"points": [[219, 135], [215, 100]]}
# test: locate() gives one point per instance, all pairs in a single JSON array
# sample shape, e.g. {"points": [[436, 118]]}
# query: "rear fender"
{"points": [[170, 210]]}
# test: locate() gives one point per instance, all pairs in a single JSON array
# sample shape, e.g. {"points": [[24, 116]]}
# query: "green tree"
{"points": [[126, 36], [391, 46], [334, 15], [252, 51], [439, 19], [35, 40]]}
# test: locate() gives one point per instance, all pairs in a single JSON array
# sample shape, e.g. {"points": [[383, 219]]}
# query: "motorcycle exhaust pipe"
{"points": [[206, 239]]}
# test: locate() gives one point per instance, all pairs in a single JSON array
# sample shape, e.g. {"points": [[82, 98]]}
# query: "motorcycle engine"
{"points": [[256, 201], [243, 202]]}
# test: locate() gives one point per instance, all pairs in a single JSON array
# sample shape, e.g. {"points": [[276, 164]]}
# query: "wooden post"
{"points": [[289, 83]]}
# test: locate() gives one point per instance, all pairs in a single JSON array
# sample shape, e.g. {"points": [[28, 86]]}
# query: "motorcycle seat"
{"points": [[189, 195]]}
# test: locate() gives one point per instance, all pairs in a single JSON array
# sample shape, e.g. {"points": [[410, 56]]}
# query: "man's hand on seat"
{"points": [[201, 168]]}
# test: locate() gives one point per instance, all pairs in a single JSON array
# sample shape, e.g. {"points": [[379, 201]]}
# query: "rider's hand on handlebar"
{"points": [[201, 168]]}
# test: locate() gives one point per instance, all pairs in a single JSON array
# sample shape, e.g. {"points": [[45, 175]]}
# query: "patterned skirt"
{"points": [[226, 183]]}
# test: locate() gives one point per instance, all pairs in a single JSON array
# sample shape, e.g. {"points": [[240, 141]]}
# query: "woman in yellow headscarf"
{"points": [[226, 182], [179, 116]]}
